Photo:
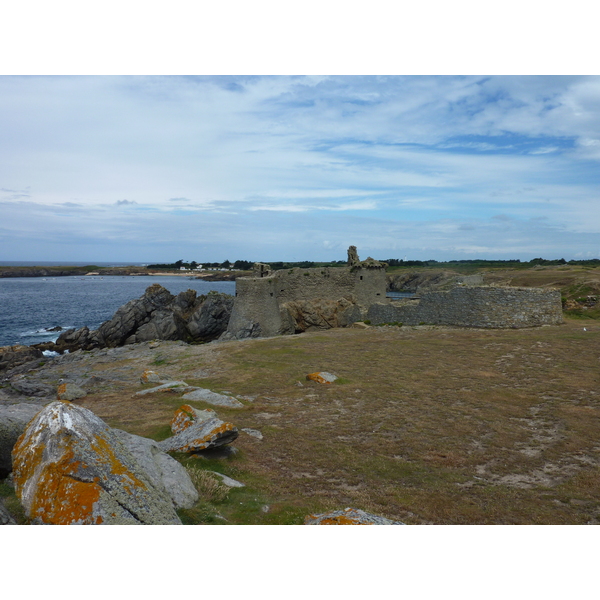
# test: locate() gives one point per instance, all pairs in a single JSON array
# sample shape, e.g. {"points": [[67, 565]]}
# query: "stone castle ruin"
{"points": [[295, 300]]}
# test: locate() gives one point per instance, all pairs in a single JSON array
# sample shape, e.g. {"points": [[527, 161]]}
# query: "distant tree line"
{"points": [[239, 265], [246, 265], [394, 262]]}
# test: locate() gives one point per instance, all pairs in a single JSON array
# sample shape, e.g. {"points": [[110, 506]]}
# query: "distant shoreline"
{"points": [[130, 271]]}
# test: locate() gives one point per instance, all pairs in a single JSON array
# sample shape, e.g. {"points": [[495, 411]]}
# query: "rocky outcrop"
{"points": [[13, 421], [157, 315], [69, 467], [32, 388], [13, 356], [306, 315]]}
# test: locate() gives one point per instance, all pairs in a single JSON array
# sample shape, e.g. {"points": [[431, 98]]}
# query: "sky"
{"points": [[209, 168]]}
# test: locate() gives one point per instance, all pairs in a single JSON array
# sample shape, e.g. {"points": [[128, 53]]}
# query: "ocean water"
{"points": [[30, 306]]}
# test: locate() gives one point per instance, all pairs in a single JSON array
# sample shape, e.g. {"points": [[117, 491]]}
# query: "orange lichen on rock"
{"points": [[201, 435], [321, 377], [64, 500], [186, 416], [205, 441], [69, 391], [149, 377], [348, 516], [71, 468], [339, 520]]}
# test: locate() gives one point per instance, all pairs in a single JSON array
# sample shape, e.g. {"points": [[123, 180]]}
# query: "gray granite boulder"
{"points": [[163, 470], [70, 467]]}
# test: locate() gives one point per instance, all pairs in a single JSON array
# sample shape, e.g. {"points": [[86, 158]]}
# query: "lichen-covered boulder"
{"points": [[186, 416], [150, 377], [13, 421], [70, 392], [321, 377], [348, 516], [201, 435], [70, 467]]}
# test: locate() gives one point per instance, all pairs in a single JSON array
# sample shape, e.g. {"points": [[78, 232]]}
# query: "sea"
{"points": [[31, 306]]}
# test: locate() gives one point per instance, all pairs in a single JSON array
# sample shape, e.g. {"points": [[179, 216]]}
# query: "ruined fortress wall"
{"points": [[256, 309], [259, 300], [486, 307], [366, 285]]}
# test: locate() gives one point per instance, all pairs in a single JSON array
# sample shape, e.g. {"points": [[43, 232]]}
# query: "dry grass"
{"points": [[430, 424], [208, 485]]}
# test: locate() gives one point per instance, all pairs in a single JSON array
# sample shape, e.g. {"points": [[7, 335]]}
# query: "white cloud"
{"points": [[215, 152]]}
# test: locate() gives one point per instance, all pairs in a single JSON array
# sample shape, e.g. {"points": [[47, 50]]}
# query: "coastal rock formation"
{"points": [[13, 421], [13, 356], [70, 467], [156, 315]]}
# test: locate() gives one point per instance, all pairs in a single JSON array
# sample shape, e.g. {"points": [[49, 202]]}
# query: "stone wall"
{"points": [[487, 307], [269, 305]]}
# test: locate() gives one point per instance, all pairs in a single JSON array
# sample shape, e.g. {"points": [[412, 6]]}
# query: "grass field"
{"points": [[428, 425]]}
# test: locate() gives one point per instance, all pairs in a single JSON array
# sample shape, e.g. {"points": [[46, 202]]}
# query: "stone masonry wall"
{"points": [[259, 306], [486, 307]]}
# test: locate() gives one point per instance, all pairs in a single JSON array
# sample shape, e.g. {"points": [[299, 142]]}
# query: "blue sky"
{"points": [[157, 168]]}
